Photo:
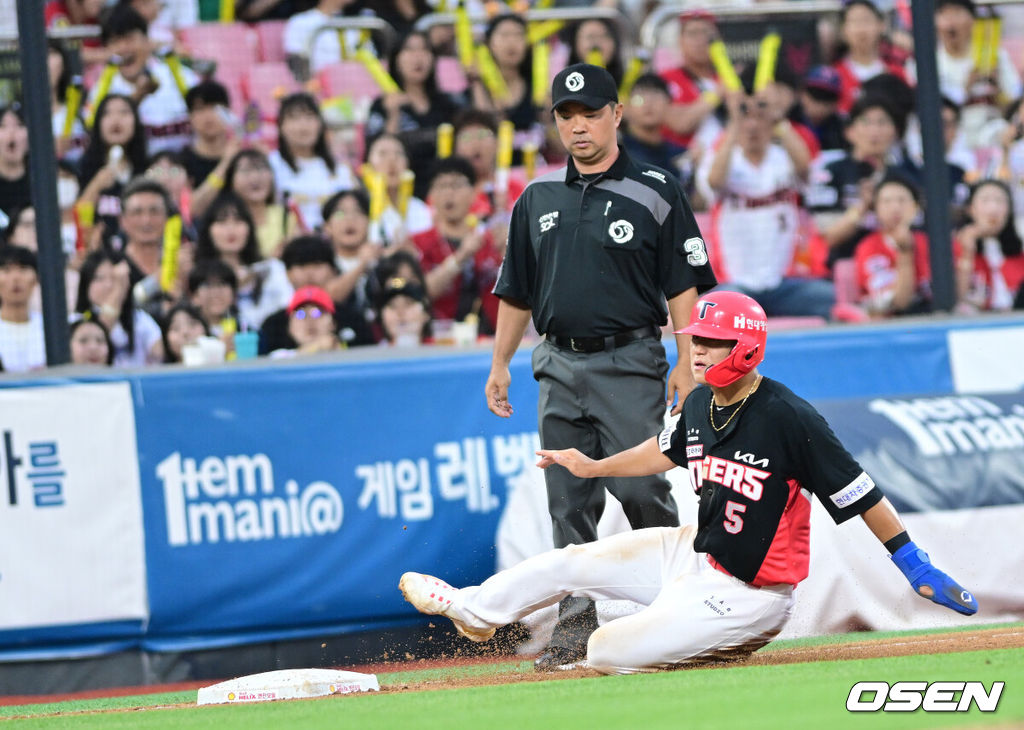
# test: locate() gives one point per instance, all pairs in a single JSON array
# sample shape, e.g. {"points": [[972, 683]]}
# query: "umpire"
{"points": [[595, 251]]}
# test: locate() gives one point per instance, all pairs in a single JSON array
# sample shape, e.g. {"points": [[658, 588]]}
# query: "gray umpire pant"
{"points": [[600, 403]]}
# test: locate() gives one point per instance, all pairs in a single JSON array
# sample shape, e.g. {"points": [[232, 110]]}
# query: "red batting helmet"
{"points": [[729, 315]]}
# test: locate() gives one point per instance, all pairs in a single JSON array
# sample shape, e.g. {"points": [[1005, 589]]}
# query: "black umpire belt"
{"points": [[599, 344]]}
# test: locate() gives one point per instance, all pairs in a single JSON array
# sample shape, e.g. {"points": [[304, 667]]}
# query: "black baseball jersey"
{"points": [[754, 479], [595, 257]]}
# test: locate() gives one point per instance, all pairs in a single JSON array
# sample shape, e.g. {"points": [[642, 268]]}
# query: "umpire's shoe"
{"points": [[433, 596]]}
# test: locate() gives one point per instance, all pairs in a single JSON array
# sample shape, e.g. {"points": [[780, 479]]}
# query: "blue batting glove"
{"points": [[913, 562]]}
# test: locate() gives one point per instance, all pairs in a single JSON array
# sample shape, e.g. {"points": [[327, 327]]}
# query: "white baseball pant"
{"points": [[693, 612]]}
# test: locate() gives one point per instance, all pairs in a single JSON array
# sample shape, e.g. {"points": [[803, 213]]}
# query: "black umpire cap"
{"points": [[592, 86]]}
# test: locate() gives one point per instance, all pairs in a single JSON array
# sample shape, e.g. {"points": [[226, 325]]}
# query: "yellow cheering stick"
{"points": [[226, 12], [464, 38], [539, 76], [490, 74], [174, 64], [506, 135], [979, 31], [594, 58], [723, 66], [405, 188], [103, 87], [378, 195], [387, 84], [172, 249], [634, 69], [538, 32], [73, 102], [767, 57], [530, 160], [995, 33], [445, 140]]}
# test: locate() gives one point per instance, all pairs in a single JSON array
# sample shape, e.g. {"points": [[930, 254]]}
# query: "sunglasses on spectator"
{"points": [[311, 313]]}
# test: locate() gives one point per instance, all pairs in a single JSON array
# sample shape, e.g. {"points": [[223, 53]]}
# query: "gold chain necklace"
{"points": [[711, 407]]}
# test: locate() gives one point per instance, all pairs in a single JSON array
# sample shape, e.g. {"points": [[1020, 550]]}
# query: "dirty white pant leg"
{"points": [[624, 566], [700, 614]]}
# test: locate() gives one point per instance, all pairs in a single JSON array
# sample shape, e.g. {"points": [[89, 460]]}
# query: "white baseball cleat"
{"points": [[433, 596]]}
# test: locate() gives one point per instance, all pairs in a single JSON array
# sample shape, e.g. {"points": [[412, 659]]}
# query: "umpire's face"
{"points": [[588, 134]]}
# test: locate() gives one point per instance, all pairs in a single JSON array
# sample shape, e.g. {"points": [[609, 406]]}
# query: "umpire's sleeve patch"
{"points": [[665, 437], [853, 491]]}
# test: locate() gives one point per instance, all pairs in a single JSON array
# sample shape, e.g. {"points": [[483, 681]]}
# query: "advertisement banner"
{"points": [[297, 495], [940, 452], [71, 545], [987, 359]]}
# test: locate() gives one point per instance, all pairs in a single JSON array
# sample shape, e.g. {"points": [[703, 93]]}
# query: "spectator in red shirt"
{"points": [[893, 266], [860, 57], [459, 255], [694, 85]]}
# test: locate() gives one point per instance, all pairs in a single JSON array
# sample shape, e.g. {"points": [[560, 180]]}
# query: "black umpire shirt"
{"points": [[755, 476], [593, 256]]}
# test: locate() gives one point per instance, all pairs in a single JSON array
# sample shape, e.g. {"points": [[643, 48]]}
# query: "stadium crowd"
{"points": [[255, 173]]}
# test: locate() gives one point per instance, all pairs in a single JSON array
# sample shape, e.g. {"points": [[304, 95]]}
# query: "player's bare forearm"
{"points": [[509, 331], [680, 378], [642, 460], [883, 521]]}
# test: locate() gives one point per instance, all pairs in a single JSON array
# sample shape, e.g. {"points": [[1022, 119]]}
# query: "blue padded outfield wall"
{"points": [[284, 500]]}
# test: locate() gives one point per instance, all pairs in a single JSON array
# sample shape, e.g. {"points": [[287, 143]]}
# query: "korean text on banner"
{"points": [[71, 544]]}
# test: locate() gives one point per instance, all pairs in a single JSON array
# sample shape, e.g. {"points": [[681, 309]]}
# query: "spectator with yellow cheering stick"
{"points": [[723, 588], [595, 251]]}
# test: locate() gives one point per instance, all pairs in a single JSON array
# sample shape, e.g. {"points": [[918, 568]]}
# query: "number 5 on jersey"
{"points": [[733, 521]]}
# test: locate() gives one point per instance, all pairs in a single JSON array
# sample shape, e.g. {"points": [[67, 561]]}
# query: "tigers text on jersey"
{"points": [[754, 480]]}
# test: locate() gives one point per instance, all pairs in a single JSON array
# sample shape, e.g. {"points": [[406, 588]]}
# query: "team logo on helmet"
{"points": [[621, 231], [574, 81]]}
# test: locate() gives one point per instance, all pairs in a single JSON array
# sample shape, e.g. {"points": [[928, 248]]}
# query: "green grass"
{"points": [[790, 696]]}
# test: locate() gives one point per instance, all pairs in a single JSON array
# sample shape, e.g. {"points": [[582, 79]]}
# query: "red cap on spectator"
{"points": [[696, 14], [311, 295]]}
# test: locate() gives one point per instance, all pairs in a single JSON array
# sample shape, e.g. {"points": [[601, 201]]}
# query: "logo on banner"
{"points": [[235, 499], [33, 474], [956, 424]]}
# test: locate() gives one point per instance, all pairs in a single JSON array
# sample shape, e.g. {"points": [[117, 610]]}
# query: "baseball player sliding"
{"points": [[722, 588]]}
